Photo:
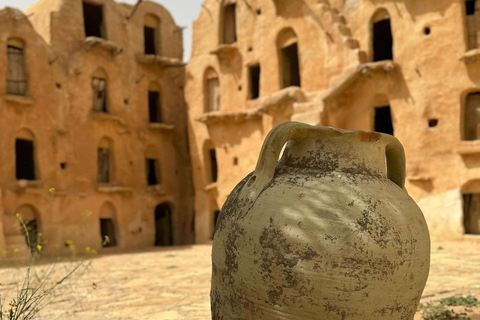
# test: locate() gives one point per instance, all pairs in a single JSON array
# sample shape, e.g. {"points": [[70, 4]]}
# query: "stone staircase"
{"points": [[339, 26]]}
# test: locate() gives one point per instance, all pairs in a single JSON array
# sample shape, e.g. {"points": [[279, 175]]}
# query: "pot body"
{"points": [[324, 234]]}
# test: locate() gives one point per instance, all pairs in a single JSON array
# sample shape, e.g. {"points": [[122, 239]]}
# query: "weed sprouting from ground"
{"points": [[37, 287], [442, 309]]}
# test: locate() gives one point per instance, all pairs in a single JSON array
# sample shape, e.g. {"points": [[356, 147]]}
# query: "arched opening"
{"points": [[105, 160], [25, 155], [30, 228], [93, 20], [16, 77], [152, 166], [163, 225], [471, 117], [151, 35], [229, 24], [210, 160], [287, 45], [108, 217], [154, 103], [471, 213], [382, 41], [472, 14], [99, 93], [212, 91]]}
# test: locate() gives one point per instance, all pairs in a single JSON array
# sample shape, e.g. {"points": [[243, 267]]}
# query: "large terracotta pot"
{"points": [[329, 232]]}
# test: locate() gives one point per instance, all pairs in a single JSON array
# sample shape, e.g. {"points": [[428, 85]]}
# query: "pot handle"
{"points": [[396, 162], [268, 159], [281, 134]]}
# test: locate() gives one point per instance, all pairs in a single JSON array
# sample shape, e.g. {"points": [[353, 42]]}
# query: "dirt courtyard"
{"points": [[174, 283]]}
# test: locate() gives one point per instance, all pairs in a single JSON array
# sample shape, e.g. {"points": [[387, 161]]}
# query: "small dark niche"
{"points": [[432, 123], [63, 165], [427, 31], [58, 85]]}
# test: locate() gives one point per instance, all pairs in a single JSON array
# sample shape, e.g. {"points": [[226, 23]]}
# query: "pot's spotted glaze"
{"points": [[328, 233]]}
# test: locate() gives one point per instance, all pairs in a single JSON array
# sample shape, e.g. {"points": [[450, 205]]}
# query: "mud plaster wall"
{"points": [[334, 39], [58, 111]]}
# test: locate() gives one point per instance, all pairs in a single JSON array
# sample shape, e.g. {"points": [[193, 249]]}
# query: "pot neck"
{"points": [[352, 152]]}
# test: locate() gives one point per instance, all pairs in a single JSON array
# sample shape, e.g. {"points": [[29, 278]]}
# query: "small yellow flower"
{"points": [[106, 241], [68, 243], [51, 190], [18, 215], [94, 251], [86, 213], [16, 250], [87, 249], [39, 247]]}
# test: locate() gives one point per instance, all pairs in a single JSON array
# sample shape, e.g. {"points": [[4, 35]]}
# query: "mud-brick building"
{"points": [[93, 127], [409, 68]]}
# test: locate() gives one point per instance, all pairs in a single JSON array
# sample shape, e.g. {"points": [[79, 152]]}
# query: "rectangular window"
{"points": [[383, 120], [151, 166], [254, 72], [93, 20], [154, 107], [470, 7], [149, 38], [471, 211], [16, 80], [107, 230], [471, 117], [213, 94], [99, 86], [473, 24], [24, 154], [103, 165], [230, 24], [213, 165], [290, 66]]}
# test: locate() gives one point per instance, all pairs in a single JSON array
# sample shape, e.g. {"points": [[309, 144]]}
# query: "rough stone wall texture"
{"points": [[429, 78], [57, 111]]}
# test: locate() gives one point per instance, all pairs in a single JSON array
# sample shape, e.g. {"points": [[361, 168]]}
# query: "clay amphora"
{"points": [[328, 233]]}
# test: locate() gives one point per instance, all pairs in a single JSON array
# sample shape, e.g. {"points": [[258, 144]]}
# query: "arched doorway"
{"points": [[382, 41], [287, 45], [108, 217], [30, 228], [163, 225]]}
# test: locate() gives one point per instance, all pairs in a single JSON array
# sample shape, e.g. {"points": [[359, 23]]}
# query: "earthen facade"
{"points": [[94, 127], [408, 68]]}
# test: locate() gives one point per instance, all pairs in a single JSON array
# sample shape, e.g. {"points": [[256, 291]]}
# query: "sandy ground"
{"points": [[174, 283]]}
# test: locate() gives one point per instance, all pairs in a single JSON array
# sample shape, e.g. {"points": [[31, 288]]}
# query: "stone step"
{"points": [[352, 43], [362, 56], [343, 29], [338, 18]]}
